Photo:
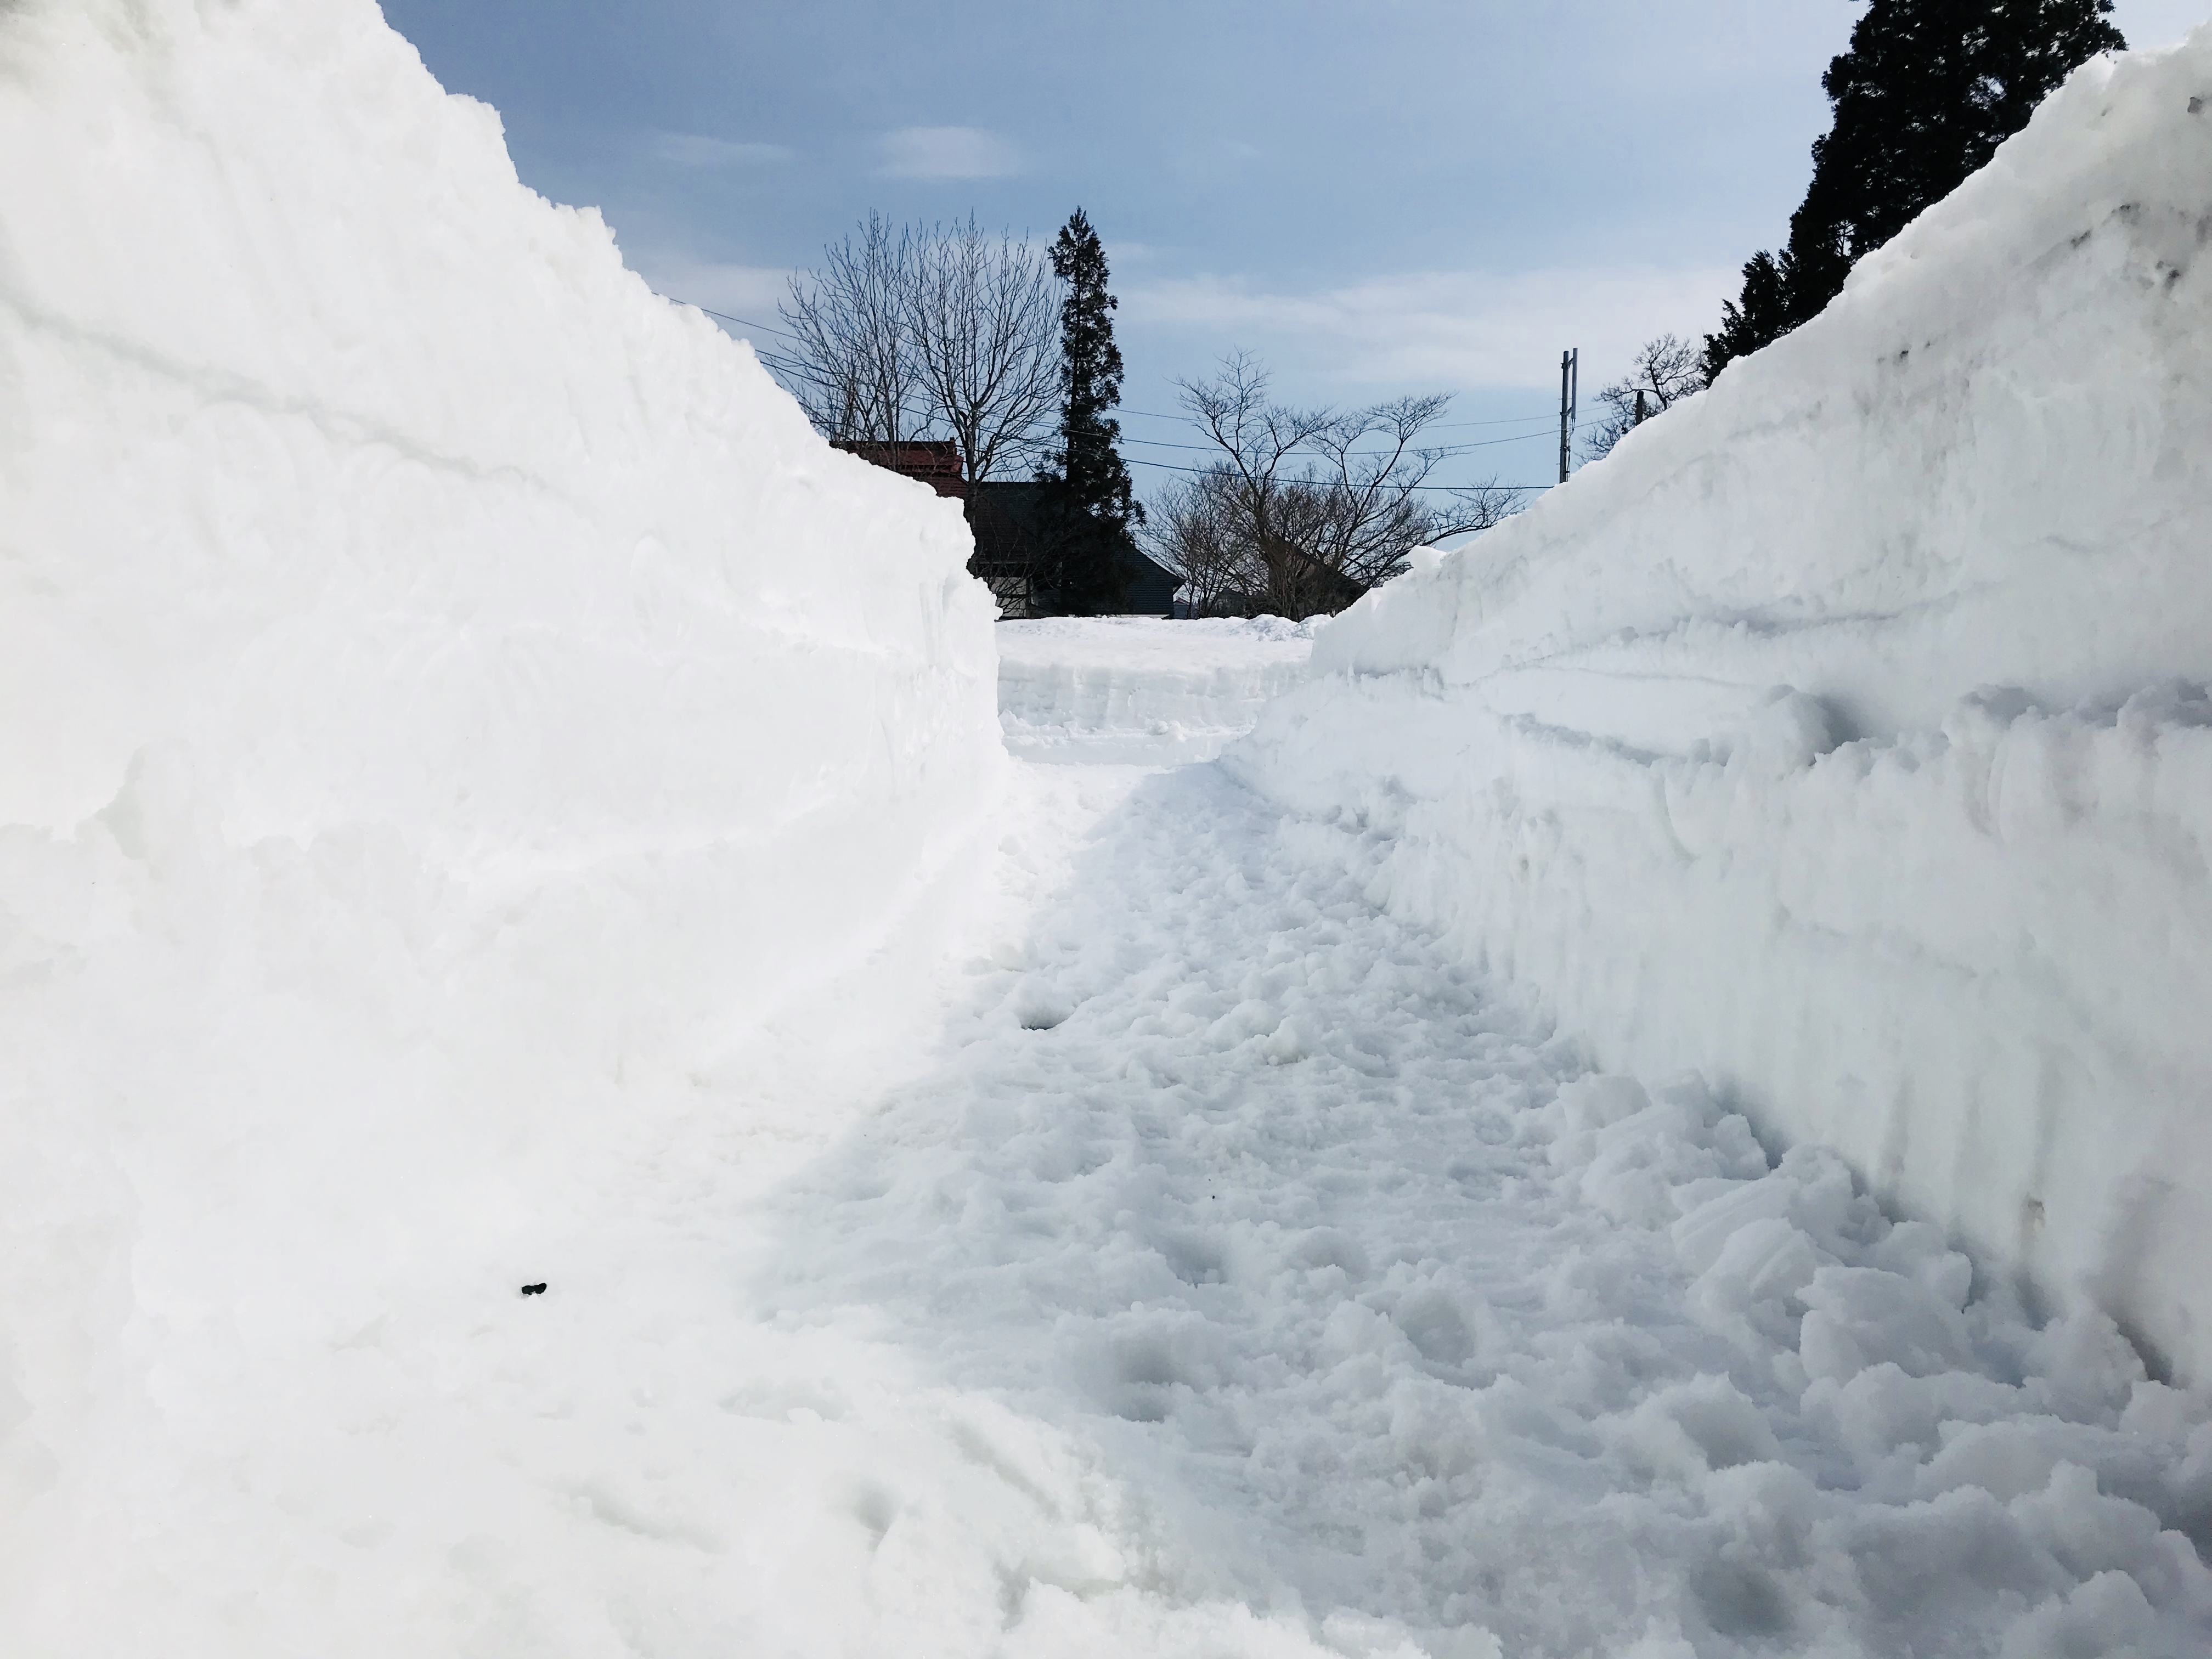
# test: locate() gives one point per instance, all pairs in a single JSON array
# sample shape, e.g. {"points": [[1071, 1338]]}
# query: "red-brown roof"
{"points": [[933, 461]]}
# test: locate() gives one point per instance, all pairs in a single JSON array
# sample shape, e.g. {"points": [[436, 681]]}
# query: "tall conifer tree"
{"points": [[1926, 92], [1095, 505]]}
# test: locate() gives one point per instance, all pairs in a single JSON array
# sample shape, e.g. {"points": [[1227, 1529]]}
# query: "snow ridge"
{"points": [[455, 711], [1842, 736]]}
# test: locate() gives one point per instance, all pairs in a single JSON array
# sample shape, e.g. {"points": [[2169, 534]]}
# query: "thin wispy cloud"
{"points": [[1444, 329], [948, 153], [692, 150]]}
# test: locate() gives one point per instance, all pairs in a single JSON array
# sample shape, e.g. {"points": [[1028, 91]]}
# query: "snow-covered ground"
{"points": [[1340, 1295], [1139, 688], [538, 1122], [1211, 1267]]}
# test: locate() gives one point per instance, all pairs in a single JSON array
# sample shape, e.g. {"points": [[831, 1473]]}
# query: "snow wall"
{"points": [[1845, 736], [449, 693], [1141, 690]]}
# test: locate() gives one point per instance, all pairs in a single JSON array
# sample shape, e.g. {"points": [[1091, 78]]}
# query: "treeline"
{"points": [[952, 334], [1302, 510], [1920, 99], [1005, 351]]}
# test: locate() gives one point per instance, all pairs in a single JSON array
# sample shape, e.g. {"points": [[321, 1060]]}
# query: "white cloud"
{"points": [[948, 153], [1446, 329], [693, 150]]}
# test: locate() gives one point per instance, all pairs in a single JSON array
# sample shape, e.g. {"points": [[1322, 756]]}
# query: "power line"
{"points": [[787, 365], [740, 321], [797, 370], [1545, 419], [1447, 451], [1147, 414], [1169, 467], [1509, 420]]}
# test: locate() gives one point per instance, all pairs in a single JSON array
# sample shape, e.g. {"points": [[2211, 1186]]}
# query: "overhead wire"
{"points": [[1447, 450], [1147, 414], [742, 322], [1549, 416], [784, 363], [1200, 472]]}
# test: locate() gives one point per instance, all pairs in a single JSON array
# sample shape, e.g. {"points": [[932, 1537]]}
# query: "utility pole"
{"points": [[1571, 363]]}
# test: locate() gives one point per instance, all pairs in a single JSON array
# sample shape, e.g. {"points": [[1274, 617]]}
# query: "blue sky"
{"points": [[1378, 196]]}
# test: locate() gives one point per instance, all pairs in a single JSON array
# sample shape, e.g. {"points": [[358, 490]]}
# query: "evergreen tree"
{"points": [[1094, 507], [1926, 92]]}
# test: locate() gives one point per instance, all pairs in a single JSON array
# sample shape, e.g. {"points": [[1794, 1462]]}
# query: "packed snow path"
{"points": [[1212, 1270], [1378, 1316]]}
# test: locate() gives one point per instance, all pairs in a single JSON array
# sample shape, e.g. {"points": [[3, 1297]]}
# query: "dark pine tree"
{"points": [[1926, 92], [1093, 506]]}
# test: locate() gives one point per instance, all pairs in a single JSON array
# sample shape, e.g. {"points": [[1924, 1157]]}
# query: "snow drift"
{"points": [[1107, 688], [452, 703], [1844, 735]]}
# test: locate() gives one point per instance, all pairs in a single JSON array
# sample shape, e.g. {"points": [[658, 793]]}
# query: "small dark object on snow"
{"points": [[533, 1290]]}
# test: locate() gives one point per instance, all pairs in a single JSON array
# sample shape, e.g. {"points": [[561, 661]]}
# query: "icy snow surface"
{"points": [[1844, 736], [1121, 688]]}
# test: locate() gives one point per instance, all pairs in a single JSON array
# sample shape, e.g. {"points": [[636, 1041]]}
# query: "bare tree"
{"points": [[912, 333], [982, 314], [1193, 529], [1375, 507], [855, 369], [1666, 370], [1307, 508], [1258, 440]]}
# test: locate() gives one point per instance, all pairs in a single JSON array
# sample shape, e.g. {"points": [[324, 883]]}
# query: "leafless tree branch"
{"points": [[910, 333], [856, 371], [982, 313], [1665, 371], [1306, 508]]}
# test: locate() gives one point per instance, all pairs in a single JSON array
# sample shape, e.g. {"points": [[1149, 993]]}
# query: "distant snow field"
{"points": [[1102, 689]]}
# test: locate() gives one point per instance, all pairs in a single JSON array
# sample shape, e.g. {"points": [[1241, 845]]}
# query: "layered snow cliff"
{"points": [[1845, 736], [451, 701]]}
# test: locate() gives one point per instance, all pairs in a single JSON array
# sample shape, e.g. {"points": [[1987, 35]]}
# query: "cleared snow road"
{"points": [[1294, 1272]]}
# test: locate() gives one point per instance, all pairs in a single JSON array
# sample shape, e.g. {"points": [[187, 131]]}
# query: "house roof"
{"points": [[932, 461]]}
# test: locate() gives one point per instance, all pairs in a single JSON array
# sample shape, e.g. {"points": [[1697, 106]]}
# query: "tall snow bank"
{"points": [[1139, 689], [1844, 735], [449, 699]]}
